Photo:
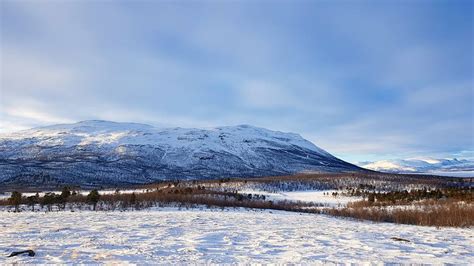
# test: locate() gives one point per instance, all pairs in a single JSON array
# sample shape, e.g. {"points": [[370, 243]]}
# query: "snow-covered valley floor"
{"points": [[323, 197], [215, 236]]}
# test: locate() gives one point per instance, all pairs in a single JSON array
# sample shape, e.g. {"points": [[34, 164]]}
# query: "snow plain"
{"points": [[163, 236], [323, 197]]}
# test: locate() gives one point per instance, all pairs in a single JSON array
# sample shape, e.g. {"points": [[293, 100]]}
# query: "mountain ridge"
{"points": [[442, 166], [103, 152]]}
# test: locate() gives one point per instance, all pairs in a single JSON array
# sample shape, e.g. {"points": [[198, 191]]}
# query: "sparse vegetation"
{"points": [[420, 200], [15, 200], [93, 198], [438, 207], [456, 214]]}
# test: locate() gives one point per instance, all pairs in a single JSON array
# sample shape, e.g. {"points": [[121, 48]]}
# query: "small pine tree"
{"points": [[48, 200], [15, 200], [93, 197], [65, 193], [32, 201]]}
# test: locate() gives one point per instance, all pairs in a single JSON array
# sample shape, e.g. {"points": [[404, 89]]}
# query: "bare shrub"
{"points": [[456, 214]]}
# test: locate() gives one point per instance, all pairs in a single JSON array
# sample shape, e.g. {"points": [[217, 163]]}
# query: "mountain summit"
{"points": [[108, 153]]}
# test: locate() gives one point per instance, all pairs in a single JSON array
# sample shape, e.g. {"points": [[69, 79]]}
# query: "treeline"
{"points": [[439, 202], [405, 197], [379, 182], [51, 199], [170, 196]]}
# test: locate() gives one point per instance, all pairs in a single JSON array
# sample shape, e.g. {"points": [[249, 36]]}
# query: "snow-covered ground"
{"points": [[324, 197], [231, 236]]}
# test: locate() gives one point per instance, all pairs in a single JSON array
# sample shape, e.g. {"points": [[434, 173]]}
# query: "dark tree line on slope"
{"points": [[406, 197], [377, 182]]}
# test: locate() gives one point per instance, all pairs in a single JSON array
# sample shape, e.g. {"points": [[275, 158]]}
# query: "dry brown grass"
{"points": [[455, 214]]}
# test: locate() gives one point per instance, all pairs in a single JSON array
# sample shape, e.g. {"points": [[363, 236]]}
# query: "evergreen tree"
{"points": [[15, 200], [65, 193], [93, 197], [32, 201]]}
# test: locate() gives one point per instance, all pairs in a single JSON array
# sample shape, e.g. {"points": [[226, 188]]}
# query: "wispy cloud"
{"points": [[359, 79]]}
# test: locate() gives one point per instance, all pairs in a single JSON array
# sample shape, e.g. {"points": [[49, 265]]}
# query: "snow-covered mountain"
{"points": [[455, 167], [103, 153]]}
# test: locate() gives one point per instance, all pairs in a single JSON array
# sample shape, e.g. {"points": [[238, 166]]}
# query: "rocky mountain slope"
{"points": [[105, 153]]}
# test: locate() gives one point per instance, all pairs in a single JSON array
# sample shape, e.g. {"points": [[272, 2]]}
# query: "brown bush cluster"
{"points": [[450, 213]]}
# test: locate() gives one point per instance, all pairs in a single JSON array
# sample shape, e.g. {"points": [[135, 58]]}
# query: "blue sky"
{"points": [[365, 80]]}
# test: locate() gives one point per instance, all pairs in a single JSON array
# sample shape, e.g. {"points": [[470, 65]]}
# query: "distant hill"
{"points": [[451, 167]]}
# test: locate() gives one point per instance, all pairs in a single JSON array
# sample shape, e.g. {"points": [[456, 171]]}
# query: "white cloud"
{"points": [[24, 73], [264, 94], [289, 70], [23, 117]]}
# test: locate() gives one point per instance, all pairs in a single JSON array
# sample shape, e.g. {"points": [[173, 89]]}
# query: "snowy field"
{"points": [[215, 236], [323, 197]]}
